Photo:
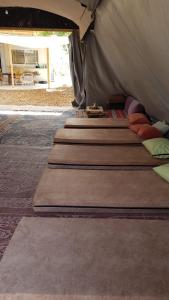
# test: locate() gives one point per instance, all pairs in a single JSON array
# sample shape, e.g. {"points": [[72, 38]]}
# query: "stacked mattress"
{"points": [[100, 165]]}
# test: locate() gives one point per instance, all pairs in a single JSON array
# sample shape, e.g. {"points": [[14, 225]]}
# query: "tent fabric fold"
{"points": [[92, 4], [76, 69]]}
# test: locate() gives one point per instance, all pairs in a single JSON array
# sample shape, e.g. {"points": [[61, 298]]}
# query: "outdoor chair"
{"points": [[27, 78]]}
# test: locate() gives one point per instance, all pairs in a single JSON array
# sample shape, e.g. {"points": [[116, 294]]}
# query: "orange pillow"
{"points": [[149, 132], [138, 118], [136, 127]]}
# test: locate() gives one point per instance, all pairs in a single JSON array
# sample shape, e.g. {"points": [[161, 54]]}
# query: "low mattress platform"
{"points": [[86, 259], [84, 190], [95, 136], [96, 123], [102, 155]]}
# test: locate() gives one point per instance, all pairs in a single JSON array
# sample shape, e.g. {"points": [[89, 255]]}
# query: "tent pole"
{"points": [[11, 66], [48, 66]]}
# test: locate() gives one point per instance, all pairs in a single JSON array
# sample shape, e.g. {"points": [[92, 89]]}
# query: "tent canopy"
{"points": [[71, 9]]}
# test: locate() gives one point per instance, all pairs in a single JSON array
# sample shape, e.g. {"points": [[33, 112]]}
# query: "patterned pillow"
{"points": [[158, 147]]}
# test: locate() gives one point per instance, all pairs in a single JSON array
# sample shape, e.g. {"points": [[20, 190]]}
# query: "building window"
{"points": [[25, 57]]}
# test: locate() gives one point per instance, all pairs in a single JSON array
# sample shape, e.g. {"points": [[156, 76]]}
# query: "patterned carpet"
{"points": [[6, 124], [23, 155], [24, 149], [111, 113]]}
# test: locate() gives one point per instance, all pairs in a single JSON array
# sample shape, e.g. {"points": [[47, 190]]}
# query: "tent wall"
{"points": [[131, 39], [100, 81]]}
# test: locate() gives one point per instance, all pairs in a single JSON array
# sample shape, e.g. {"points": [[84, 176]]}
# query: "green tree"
{"points": [[49, 33]]}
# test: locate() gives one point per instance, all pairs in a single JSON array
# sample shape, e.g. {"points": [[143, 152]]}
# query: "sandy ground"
{"points": [[60, 97]]}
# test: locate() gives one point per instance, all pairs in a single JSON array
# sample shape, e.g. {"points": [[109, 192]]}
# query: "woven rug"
{"points": [[25, 142], [6, 124], [113, 113]]}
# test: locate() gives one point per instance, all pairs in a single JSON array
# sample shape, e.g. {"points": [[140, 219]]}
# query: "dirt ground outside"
{"points": [[60, 97]]}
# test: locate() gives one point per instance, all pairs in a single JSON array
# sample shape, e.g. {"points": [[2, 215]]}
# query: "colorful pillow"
{"points": [[158, 147], [162, 126], [136, 127], [136, 107], [138, 118], [129, 100], [149, 132], [163, 171]]}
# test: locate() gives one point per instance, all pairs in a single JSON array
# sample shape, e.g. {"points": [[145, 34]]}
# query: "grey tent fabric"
{"points": [[90, 4], [100, 80], [130, 44], [76, 69]]}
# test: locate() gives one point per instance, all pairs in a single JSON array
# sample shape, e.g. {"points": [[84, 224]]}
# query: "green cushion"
{"points": [[163, 171], [161, 126], [158, 147]]}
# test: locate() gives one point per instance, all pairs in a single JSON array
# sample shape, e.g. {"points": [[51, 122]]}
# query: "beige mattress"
{"points": [[95, 136], [96, 123], [102, 155], [101, 188]]}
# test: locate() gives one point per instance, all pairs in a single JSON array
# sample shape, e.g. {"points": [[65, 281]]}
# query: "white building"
{"points": [[46, 59]]}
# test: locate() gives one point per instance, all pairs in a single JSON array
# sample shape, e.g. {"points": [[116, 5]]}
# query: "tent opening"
{"points": [[34, 58]]}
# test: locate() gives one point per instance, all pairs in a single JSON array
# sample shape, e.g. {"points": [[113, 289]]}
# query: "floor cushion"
{"points": [[149, 132], [129, 100], [136, 127], [162, 126], [158, 147], [163, 171], [136, 107], [138, 118]]}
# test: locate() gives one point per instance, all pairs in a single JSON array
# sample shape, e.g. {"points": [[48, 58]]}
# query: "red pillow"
{"points": [[138, 118], [149, 132], [136, 127]]}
